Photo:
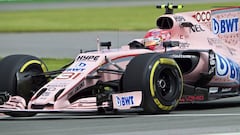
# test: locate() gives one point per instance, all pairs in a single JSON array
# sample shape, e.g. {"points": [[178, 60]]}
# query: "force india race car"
{"points": [[189, 57]]}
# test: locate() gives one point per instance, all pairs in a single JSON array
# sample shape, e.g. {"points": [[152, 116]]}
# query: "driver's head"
{"points": [[155, 37]]}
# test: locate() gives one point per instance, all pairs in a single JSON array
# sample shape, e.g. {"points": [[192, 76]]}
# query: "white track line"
{"points": [[233, 133], [195, 115]]}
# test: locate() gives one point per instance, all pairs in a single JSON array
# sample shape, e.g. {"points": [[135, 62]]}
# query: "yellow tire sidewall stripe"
{"points": [[44, 68]]}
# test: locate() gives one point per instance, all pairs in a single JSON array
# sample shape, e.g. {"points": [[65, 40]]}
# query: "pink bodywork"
{"points": [[199, 37]]}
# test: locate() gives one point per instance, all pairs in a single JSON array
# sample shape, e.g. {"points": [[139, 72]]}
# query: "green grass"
{"points": [[44, 1], [88, 19], [54, 64]]}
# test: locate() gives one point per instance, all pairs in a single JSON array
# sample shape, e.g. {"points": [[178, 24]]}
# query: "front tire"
{"points": [[160, 80], [11, 67]]}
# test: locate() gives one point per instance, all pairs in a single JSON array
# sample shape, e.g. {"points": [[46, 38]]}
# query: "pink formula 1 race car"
{"points": [[189, 57]]}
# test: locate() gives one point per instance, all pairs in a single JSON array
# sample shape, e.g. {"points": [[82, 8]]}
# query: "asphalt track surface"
{"points": [[60, 45], [213, 118]]}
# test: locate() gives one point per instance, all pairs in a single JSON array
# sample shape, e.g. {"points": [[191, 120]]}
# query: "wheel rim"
{"points": [[166, 84]]}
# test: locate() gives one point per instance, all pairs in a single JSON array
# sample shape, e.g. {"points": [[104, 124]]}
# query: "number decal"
{"points": [[68, 75]]}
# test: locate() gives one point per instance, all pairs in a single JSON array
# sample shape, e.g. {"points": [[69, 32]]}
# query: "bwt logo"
{"points": [[224, 25], [227, 68], [124, 101]]}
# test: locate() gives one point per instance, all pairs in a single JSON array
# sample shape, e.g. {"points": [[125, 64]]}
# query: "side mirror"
{"points": [[167, 44], [170, 43], [106, 44]]}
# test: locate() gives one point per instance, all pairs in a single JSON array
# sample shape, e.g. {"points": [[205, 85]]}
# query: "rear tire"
{"points": [[10, 66], [160, 80]]}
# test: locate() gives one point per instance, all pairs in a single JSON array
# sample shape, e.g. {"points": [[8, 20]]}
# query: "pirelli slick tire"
{"points": [[160, 80], [12, 67]]}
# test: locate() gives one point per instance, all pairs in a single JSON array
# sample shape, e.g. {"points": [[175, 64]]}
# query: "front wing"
{"points": [[121, 102]]}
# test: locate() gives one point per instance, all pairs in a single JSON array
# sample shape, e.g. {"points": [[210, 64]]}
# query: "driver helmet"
{"points": [[155, 37]]}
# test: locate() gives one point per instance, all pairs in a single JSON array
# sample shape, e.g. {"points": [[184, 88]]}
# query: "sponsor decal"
{"points": [[125, 101], [76, 89], [191, 98], [46, 94], [213, 90], [56, 85], [181, 56], [227, 68], [214, 41], [81, 64], [88, 58], [51, 89], [77, 68], [212, 63], [184, 45], [226, 89], [197, 28], [203, 16], [225, 25], [80, 86], [179, 18]]}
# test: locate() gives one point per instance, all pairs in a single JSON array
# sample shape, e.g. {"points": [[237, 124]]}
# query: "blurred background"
{"points": [[60, 28]]}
